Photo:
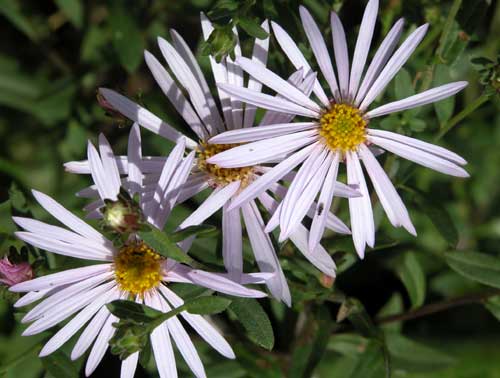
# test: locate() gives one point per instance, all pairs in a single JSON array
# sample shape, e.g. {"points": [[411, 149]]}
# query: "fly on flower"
{"points": [[133, 270], [200, 111], [338, 132]]}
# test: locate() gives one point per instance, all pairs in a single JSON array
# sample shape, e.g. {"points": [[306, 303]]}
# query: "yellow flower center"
{"points": [[137, 268], [342, 127], [221, 176]]}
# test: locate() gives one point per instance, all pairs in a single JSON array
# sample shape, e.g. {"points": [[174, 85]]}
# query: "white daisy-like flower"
{"points": [[133, 271], [339, 131], [201, 113]]}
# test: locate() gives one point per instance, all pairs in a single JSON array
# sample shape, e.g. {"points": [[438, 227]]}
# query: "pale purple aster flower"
{"points": [[201, 113], [339, 129], [82, 293], [11, 274]]}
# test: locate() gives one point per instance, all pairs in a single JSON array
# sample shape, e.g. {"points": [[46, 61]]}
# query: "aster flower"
{"points": [[339, 130], [202, 115], [133, 271]]}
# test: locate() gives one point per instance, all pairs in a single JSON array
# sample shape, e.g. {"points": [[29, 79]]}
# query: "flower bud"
{"points": [[11, 274], [122, 216]]}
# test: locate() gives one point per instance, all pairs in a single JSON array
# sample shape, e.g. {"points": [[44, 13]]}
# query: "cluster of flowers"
{"points": [[243, 165]]}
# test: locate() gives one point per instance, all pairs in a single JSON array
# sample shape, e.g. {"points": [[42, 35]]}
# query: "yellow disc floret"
{"points": [[221, 176], [342, 127], [137, 268]]}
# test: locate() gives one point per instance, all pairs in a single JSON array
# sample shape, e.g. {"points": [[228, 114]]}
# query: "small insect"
{"points": [[321, 207]]}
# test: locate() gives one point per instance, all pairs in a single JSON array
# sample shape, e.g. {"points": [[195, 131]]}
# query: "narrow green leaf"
{"points": [[410, 356], [412, 275], [207, 305], [493, 305], [127, 39], [59, 365], [73, 9], [476, 266], [162, 244], [255, 321], [12, 12], [252, 28], [201, 231], [137, 312]]}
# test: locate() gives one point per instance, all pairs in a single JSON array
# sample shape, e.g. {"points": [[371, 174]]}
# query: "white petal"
{"points": [[213, 203], [101, 344], [269, 178], [109, 163], [394, 65], [360, 209], [362, 46], [264, 253], [144, 117], [380, 59], [69, 329], [293, 53], [391, 202], [103, 180], [420, 157], [266, 101], [421, 145], [261, 132], [232, 244], [79, 251], [263, 151], [324, 203], [273, 81], [200, 325], [161, 344], [187, 79], [259, 55], [215, 282], [341, 53], [89, 333], [175, 95], [190, 189], [420, 99], [319, 49], [134, 154], [32, 297], [68, 219], [183, 342], [235, 77], [129, 365]]}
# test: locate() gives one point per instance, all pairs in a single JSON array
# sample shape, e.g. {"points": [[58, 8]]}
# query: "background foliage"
{"points": [[55, 54]]}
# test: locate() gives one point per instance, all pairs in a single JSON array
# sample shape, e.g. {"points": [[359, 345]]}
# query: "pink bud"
{"points": [[11, 274]]}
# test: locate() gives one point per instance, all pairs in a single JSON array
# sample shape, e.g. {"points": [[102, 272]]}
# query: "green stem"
{"points": [[16, 361], [460, 116], [447, 27]]}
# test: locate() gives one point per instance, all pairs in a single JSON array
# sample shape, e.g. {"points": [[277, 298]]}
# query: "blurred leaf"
{"points": [[493, 305], [59, 365], [403, 85], [201, 231], [417, 125], [208, 305], [393, 306], [348, 344], [73, 9], [444, 108], [438, 215], [17, 198], [252, 28], [127, 39], [454, 45], [476, 266], [162, 245], [412, 275], [12, 11], [410, 356], [255, 321], [370, 363], [223, 8]]}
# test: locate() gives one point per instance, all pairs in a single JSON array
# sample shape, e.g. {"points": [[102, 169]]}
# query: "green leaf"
{"points": [[393, 306], [59, 365], [223, 8], [370, 363], [412, 275], [255, 321], [73, 9], [12, 12], [162, 245], [444, 108], [417, 125], [438, 215], [410, 356], [353, 310], [201, 231], [403, 84], [207, 305], [476, 266], [220, 43], [252, 28], [493, 305], [138, 312], [127, 39]]}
